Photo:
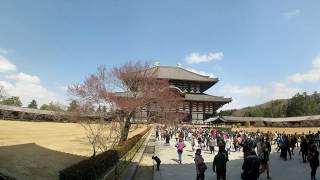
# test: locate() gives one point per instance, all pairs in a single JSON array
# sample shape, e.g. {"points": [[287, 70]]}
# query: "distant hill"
{"points": [[299, 105]]}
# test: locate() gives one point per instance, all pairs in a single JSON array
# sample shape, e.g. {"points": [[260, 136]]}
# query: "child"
{"points": [[180, 145], [158, 161]]}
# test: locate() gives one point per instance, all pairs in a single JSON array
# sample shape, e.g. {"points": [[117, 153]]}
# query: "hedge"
{"points": [[223, 129], [95, 167]]}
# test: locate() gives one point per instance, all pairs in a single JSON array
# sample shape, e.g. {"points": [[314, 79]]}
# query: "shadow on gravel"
{"points": [[31, 161]]}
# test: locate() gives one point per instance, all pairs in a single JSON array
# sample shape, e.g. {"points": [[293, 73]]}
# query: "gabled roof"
{"points": [[206, 97], [41, 112], [178, 73], [216, 119], [26, 110], [188, 97]]}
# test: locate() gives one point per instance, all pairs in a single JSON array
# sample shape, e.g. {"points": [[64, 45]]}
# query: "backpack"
{"points": [[180, 147], [251, 169], [254, 169], [202, 167]]}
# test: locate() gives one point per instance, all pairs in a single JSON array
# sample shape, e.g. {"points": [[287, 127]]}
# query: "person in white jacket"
{"points": [[228, 145]]}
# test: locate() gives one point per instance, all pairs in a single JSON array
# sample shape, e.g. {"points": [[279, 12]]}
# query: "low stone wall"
{"points": [[124, 162]]}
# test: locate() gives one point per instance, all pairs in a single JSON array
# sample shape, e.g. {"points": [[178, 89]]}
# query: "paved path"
{"points": [[145, 167], [170, 168]]}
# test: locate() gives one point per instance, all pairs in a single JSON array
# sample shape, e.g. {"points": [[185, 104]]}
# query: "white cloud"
{"points": [[313, 75], [244, 96], [279, 90], [293, 13], [63, 88], [6, 65], [248, 91], [3, 51], [274, 90], [235, 104], [28, 91], [24, 85], [196, 58], [24, 78], [6, 85], [201, 72]]}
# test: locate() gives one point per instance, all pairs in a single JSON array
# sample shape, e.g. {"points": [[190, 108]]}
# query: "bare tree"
{"points": [[101, 135], [3, 92], [127, 89]]}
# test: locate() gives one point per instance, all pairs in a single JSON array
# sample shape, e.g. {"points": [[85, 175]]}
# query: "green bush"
{"points": [[95, 167], [224, 129], [91, 168], [125, 146]]}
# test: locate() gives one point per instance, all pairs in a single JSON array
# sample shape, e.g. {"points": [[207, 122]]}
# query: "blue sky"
{"points": [[260, 50]]}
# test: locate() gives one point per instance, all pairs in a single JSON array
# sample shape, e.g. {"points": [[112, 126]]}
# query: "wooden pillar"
{"points": [[203, 110], [190, 110]]}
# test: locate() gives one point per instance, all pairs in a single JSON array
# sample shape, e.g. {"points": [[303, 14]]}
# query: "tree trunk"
{"points": [[94, 151], [126, 127]]}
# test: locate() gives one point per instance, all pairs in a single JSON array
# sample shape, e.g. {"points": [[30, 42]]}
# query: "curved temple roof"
{"points": [[178, 73], [206, 97]]}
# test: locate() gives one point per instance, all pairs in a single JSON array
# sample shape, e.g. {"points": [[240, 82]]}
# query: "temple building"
{"points": [[197, 104]]}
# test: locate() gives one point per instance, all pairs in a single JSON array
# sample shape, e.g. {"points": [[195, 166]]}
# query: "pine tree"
{"points": [[33, 104]]}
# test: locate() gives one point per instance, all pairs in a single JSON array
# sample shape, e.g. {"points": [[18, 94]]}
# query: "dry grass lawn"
{"points": [[39, 150], [281, 130]]}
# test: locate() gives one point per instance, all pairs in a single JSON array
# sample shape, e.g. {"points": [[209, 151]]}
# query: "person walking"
{"points": [[177, 136], [180, 145], [235, 143], [304, 149], [167, 137], [157, 134], [220, 164], [288, 146], [264, 156], [201, 167], [228, 145], [285, 147], [313, 158], [293, 142], [193, 142], [251, 166], [212, 144], [245, 146]]}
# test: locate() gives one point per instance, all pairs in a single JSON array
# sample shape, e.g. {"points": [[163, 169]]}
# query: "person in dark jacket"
{"points": [[157, 134], [293, 141], [245, 146], [313, 158], [158, 161], [285, 147], [167, 136], [304, 149], [220, 164], [200, 165], [251, 167], [264, 157]]}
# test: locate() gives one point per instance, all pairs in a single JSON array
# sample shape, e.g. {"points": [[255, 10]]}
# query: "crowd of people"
{"points": [[256, 148]]}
